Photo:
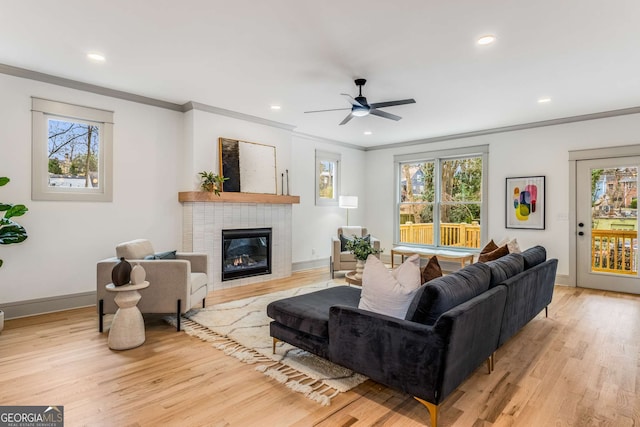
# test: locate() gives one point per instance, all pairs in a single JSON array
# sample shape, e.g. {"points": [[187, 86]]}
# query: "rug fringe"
{"points": [[295, 380]]}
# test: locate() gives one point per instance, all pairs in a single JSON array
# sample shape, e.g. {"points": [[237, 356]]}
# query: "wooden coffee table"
{"points": [[350, 277]]}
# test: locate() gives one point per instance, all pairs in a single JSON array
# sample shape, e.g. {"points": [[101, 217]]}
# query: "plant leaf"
{"points": [[16, 210], [5, 207], [4, 180], [0, 263], [12, 234]]}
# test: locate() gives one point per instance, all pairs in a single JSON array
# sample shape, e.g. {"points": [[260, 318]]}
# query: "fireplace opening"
{"points": [[246, 252]]}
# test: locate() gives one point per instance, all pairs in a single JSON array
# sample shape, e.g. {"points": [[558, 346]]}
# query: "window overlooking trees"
{"points": [[327, 178], [71, 152], [441, 201]]}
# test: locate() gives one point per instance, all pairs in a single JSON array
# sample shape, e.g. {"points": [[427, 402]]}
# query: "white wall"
{"points": [[540, 151], [313, 226], [67, 238]]}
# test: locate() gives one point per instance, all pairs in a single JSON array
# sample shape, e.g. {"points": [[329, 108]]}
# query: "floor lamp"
{"points": [[348, 202]]}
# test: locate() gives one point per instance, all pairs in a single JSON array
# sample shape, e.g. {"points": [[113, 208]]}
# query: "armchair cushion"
{"points": [[134, 249]]}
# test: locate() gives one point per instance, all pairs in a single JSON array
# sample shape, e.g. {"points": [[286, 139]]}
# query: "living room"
{"points": [[160, 146]]}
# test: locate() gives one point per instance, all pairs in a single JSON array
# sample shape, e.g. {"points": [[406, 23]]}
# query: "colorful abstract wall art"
{"points": [[525, 202]]}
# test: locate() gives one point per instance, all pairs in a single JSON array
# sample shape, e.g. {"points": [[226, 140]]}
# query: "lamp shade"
{"points": [[348, 202]]}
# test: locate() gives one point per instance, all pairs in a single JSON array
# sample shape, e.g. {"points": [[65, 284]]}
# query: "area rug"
{"points": [[241, 329]]}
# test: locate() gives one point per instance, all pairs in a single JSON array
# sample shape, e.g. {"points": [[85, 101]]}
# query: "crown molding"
{"points": [[192, 105], [328, 141], [512, 128]]}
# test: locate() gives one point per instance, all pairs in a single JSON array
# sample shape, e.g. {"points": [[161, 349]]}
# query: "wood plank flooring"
{"points": [[579, 367]]}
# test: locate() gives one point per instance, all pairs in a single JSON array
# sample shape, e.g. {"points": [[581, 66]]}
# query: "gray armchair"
{"points": [[175, 285], [343, 259]]}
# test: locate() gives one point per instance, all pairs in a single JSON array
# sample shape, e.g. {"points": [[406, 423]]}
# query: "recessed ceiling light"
{"points": [[367, 132], [96, 57], [544, 100], [275, 107], [488, 39]]}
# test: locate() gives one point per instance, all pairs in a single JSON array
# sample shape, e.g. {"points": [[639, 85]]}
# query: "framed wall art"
{"points": [[525, 202], [250, 167]]}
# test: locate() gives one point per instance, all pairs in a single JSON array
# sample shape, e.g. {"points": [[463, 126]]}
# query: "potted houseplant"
{"points": [[211, 182], [361, 248], [10, 231]]}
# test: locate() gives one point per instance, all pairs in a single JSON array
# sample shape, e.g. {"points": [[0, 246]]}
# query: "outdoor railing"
{"points": [[614, 251], [451, 234]]}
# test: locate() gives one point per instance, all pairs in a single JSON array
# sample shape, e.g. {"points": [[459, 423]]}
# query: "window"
{"points": [[72, 148], [327, 178], [441, 197]]}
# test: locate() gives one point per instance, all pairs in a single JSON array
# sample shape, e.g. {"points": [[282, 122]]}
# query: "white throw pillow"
{"points": [[389, 292], [512, 245]]}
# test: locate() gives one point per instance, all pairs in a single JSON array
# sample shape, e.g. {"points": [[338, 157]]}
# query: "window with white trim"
{"points": [[327, 178], [72, 152], [440, 198]]}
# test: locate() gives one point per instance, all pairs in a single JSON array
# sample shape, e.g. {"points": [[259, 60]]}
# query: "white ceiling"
{"points": [[244, 55]]}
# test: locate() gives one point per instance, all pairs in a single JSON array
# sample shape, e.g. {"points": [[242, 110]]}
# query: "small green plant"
{"points": [[10, 231], [211, 182], [361, 247]]}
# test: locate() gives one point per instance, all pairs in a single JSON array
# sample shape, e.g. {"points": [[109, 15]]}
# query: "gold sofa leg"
{"points": [[275, 340], [433, 411]]}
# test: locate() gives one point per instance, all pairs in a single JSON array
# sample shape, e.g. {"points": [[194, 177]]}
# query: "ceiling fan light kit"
{"points": [[360, 107]]}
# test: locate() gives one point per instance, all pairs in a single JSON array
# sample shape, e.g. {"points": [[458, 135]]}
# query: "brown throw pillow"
{"points": [[490, 256], [431, 270], [490, 247]]}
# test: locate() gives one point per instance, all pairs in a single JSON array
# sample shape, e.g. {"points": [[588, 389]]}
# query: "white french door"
{"points": [[607, 224]]}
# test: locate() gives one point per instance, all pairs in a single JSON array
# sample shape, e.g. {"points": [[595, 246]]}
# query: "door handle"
{"points": [[580, 233]]}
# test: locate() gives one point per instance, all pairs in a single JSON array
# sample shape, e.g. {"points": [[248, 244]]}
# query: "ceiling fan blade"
{"points": [[332, 109], [352, 100], [384, 114], [392, 103], [346, 119]]}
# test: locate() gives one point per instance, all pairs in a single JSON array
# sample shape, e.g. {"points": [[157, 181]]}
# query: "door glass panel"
{"points": [[614, 222]]}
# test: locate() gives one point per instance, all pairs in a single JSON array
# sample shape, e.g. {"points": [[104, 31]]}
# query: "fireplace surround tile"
{"points": [[202, 226]]}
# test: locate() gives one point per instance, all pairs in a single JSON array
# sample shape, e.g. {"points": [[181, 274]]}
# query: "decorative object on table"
{"points": [[348, 202], [250, 167], [121, 273], [282, 185], [525, 202], [138, 274], [10, 231], [1, 320], [211, 182], [361, 248], [287, 170]]}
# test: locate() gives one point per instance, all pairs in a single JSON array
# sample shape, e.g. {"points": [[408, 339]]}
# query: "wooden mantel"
{"points": [[231, 197]]}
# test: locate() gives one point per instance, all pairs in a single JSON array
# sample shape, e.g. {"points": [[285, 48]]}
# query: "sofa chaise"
{"points": [[454, 324]]}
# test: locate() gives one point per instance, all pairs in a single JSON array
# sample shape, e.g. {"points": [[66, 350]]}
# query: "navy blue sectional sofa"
{"points": [[455, 324]]}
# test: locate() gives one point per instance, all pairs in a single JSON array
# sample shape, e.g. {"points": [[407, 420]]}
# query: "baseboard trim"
{"points": [[310, 265], [14, 310], [563, 279]]}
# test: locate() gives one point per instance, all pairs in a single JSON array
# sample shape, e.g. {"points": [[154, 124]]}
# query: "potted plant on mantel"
{"points": [[10, 231], [361, 248], [211, 182]]}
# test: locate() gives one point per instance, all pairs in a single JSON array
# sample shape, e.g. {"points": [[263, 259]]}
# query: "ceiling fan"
{"points": [[360, 107]]}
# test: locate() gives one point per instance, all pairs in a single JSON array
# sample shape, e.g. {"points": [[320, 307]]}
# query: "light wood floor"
{"points": [[579, 367]]}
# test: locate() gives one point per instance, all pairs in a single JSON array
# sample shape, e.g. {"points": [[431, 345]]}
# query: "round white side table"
{"points": [[127, 326]]}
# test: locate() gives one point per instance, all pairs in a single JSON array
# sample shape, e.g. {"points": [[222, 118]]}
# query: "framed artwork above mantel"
{"points": [[250, 167]]}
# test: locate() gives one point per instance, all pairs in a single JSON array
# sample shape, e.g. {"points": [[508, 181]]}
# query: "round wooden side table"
{"points": [[127, 326], [350, 277]]}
